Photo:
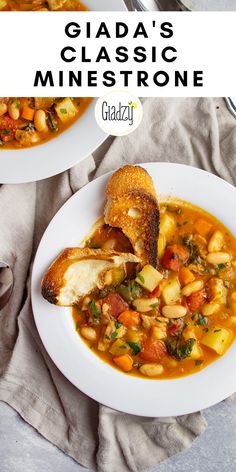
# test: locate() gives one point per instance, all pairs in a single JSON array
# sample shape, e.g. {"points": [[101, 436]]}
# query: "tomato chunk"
{"points": [[153, 350], [7, 123], [116, 304], [174, 257], [196, 300], [175, 327]]}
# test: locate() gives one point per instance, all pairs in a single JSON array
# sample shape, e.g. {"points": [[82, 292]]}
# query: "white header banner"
{"points": [[76, 54]]}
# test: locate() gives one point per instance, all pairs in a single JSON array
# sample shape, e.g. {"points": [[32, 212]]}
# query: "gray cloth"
{"points": [[199, 132]]}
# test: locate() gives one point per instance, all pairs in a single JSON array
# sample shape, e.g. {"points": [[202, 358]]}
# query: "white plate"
{"points": [[65, 150], [78, 363]]}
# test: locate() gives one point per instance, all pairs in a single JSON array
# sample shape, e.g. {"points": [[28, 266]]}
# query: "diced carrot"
{"points": [[27, 113], [157, 291], [185, 276], [153, 350], [124, 362], [174, 257], [203, 227], [129, 318]]}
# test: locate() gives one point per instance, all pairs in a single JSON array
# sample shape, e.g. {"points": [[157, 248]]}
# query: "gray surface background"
{"points": [[23, 449]]}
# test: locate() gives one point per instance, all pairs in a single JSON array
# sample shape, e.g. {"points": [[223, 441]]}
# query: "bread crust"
{"points": [[53, 281], [132, 206]]}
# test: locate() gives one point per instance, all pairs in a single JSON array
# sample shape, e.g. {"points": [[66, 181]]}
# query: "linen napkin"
{"points": [[200, 132]]}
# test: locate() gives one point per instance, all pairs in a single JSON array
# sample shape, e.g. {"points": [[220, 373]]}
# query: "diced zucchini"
{"points": [[119, 347], [133, 336], [218, 339], [146, 304], [171, 291], [167, 226], [196, 352], [66, 110], [217, 290], [161, 245], [149, 278], [115, 276]]}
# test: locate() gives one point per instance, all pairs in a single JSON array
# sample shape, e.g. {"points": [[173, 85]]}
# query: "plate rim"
{"points": [[172, 411]]}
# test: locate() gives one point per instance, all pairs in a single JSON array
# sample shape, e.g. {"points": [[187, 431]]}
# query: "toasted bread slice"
{"points": [[78, 271], [132, 206], [130, 178]]}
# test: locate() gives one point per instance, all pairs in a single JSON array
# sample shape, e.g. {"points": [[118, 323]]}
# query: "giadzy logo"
{"points": [[118, 113]]}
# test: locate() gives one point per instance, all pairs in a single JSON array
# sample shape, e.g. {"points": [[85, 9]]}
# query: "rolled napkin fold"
{"points": [[200, 132]]}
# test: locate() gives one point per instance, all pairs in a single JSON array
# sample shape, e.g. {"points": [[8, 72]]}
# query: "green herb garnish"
{"points": [[114, 335], [94, 310], [6, 132], [198, 362], [154, 305], [52, 122], [135, 347], [202, 320], [63, 111], [221, 266], [179, 347], [141, 278], [118, 325]]}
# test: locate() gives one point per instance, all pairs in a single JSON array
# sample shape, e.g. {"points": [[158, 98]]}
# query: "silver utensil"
{"points": [[6, 283], [231, 104], [155, 5]]}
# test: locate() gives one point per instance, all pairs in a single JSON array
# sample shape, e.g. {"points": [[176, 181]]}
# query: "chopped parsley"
{"points": [[114, 335], [94, 310], [94, 246], [221, 266], [141, 278], [6, 132], [118, 325], [136, 348], [154, 305], [199, 319], [198, 362], [202, 321], [63, 111]]}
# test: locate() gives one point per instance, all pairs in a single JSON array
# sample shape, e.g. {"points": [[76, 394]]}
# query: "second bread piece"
{"points": [[132, 206]]}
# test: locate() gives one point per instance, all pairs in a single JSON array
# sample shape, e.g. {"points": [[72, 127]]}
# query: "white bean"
{"points": [[192, 287], [216, 242], [14, 109], [216, 258], [40, 121], [88, 333], [3, 109], [150, 370], [209, 309], [174, 311]]}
